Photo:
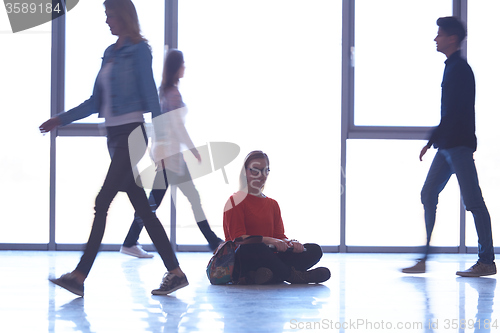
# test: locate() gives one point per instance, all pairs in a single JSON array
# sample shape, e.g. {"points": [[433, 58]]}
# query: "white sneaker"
{"points": [[136, 251]]}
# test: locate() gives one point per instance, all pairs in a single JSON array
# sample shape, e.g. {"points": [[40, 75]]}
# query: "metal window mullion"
{"points": [[346, 122], [171, 41], [56, 106], [171, 23], [347, 107], [460, 11]]}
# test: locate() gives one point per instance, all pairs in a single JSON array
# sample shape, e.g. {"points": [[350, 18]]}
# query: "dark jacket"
{"points": [[457, 126]]}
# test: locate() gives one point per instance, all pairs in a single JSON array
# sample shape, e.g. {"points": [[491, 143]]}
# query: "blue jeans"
{"points": [[458, 161]]}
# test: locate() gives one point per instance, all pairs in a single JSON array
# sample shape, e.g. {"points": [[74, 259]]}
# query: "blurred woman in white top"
{"points": [[167, 154]]}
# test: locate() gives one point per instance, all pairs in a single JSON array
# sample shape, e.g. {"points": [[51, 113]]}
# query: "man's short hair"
{"points": [[452, 26]]}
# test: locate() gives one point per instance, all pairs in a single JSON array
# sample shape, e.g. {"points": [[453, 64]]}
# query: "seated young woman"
{"points": [[249, 212]]}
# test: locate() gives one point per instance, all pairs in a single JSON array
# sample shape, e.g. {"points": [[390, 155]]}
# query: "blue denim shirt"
{"points": [[132, 84]]}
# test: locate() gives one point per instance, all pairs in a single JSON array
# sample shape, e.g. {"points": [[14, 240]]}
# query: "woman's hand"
{"points": [[297, 247], [422, 152], [50, 124], [280, 245]]}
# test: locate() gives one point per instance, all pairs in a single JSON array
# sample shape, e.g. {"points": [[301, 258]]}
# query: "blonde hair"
{"points": [[127, 14]]}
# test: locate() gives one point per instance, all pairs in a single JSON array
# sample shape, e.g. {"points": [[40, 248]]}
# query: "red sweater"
{"points": [[252, 215]]}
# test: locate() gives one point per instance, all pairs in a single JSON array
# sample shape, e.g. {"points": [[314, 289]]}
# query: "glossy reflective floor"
{"points": [[367, 293]]}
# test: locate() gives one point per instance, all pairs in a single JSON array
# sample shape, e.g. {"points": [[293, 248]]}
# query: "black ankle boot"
{"points": [[210, 236], [316, 275]]}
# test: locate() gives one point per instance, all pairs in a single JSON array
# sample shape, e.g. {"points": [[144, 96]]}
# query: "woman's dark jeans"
{"points": [[253, 256], [120, 178]]}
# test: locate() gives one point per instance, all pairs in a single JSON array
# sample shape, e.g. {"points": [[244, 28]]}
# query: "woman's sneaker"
{"points": [[170, 283], [68, 281], [135, 251]]}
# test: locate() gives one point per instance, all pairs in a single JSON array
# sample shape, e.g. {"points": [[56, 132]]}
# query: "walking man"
{"points": [[456, 142]]}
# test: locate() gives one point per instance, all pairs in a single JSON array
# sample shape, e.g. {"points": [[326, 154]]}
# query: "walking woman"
{"points": [[123, 91], [167, 153]]}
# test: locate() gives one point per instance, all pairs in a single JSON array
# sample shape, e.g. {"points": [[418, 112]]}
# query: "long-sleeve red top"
{"points": [[252, 215]]}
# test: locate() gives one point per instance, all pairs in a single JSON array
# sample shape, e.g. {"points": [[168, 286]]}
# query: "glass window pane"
{"points": [[480, 48], [398, 71], [384, 180], [25, 102], [78, 183], [86, 46], [266, 75]]}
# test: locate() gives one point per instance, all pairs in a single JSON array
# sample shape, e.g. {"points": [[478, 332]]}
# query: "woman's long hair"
{"points": [[239, 196], [170, 77], [125, 10], [243, 174]]}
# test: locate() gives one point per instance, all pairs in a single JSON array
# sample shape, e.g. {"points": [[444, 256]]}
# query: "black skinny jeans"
{"points": [[120, 178], [254, 256]]}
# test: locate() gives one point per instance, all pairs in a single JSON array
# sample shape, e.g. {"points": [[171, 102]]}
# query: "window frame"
{"points": [[349, 130]]}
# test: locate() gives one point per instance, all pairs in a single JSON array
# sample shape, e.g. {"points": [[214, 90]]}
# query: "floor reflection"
{"points": [[481, 321], [485, 288], [429, 322], [174, 311], [150, 313], [74, 312], [260, 308], [364, 288]]}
